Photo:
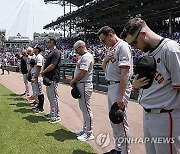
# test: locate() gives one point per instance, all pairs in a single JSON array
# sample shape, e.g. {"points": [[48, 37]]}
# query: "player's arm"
{"points": [[81, 74], [30, 68], [48, 69], [172, 63], [124, 63], [124, 79], [55, 61], [39, 68], [84, 67]]}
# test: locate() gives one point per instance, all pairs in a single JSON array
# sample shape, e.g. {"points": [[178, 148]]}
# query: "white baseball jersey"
{"points": [[86, 63], [29, 59], [122, 58], [39, 62], [164, 92], [5, 62]]}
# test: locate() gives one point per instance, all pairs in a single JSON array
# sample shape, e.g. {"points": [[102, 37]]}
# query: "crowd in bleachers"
{"points": [[94, 46]]}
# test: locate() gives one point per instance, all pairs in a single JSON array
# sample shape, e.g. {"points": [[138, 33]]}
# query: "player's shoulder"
{"points": [[87, 55], [39, 56], [123, 44], [172, 45]]}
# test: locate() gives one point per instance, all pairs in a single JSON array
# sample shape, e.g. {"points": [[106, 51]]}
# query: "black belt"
{"points": [[161, 111], [84, 81], [112, 82]]}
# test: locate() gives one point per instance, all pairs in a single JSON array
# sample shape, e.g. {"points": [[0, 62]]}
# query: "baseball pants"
{"points": [[85, 90], [26, 83], [53, 97], [120, 131], [162, 132]]}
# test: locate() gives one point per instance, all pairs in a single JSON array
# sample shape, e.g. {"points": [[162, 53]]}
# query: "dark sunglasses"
{"points": [[103, 41], [133, 43]]}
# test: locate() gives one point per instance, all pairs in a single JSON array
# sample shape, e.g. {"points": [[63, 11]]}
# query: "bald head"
{"points": [[79, 43], [80, 47], [29, 51]]}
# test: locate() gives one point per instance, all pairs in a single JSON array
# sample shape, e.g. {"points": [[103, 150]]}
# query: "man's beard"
{"points": [[146, 48]]}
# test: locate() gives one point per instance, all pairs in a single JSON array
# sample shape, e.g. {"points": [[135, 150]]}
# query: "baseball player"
{"points": [[118, 66], [24, 70], [31, 55], [83, 79], [51, 71], [37, 80], [161, 101], [4, 65]]}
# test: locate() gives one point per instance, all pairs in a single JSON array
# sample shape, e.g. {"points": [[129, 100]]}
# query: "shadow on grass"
{"points": [[20, 104], [34, 118], [62, 135], [78, 151], [12, 95], [16, 99], [23, 110]]}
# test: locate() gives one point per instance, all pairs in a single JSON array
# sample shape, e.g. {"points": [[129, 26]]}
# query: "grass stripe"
{"points": [[23, 132]]}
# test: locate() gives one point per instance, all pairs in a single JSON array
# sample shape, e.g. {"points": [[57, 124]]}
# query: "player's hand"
{"points": [[121, 102], [109, 56], [42, 73], [32, 80], [138, 83]]}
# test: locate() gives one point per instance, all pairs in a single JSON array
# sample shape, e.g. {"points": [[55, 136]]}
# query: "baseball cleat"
{"points": [[55, 120], [113, 151], [86, 137], [78, 132], [47, 116]]}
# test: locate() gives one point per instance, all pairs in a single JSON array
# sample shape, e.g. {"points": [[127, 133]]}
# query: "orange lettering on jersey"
{"points": [[159, 78]]}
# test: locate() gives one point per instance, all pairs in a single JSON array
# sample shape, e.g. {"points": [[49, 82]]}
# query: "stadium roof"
{"points": [[78, 2], [75, 2], [116, 12]]}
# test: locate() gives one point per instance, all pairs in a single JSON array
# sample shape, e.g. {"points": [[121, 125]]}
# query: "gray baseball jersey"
{"points": [[86, 63], [122, 58], [164, 92]]}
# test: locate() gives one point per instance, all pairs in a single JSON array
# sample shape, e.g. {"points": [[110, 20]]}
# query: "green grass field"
{"points": [[23, 132]]}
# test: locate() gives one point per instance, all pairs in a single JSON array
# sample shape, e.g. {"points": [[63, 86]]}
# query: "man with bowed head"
{"points": [[83, 79], [161, 101], [118, 66]]}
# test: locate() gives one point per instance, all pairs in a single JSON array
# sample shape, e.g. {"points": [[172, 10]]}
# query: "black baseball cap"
{"points": [[37, 47]]}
